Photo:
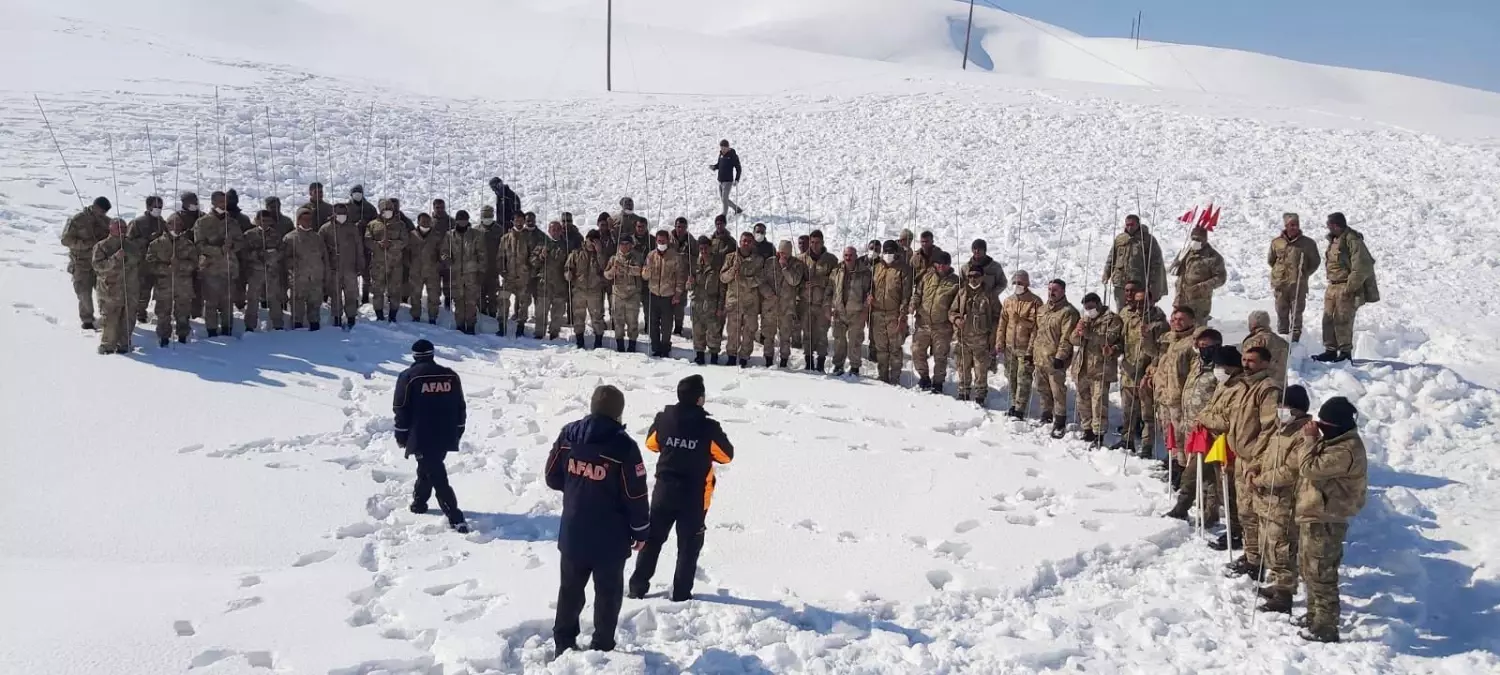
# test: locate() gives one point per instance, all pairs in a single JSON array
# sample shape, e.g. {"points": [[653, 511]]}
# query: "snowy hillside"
{"points": [[237, 505]]}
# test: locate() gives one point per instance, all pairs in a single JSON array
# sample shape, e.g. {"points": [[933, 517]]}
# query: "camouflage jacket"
{"points": [[1332, 479]]}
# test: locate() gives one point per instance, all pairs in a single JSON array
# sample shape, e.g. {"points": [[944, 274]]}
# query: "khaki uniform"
{"points": [[975, 315], [890, 305], [346, 261], [550, 260], [1351, 283], [1135, 257], [238, 220], [518, 273], [1013, 338], [1199, 273], [1138, 403], [144, 230], [1172, 357], [424, 252], [687, 256], [1197, 390], [1330, 490], [385, 249], [82, 233], [261, 260], [463, 253], [994, 275], [1244, 411], [1099, 341], [920, 263], [933, 301], [1263, 337], [623, 271], [1276, 502], [850, 293], [117, 262], [585, 275], [489, 287], [780, 290], [742, 276], [1055, 322], [219, 240], [173, 261], [708, 306], [819, 289], [307, 263], [1292, 262]]}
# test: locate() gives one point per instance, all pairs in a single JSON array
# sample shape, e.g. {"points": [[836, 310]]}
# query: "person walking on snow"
{"points": [[728, 168], [430, 417]]}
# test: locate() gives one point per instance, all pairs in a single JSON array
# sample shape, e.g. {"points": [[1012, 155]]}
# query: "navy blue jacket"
{"points": [[430, 410], [728, 167], [507, 205], [599, 470], [690, 443]]}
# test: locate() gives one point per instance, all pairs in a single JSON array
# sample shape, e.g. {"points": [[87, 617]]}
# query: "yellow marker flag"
{"points": [[1220, 452]]}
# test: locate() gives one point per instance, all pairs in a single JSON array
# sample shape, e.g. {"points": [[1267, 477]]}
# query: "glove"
{"points": [[1058, 364]]}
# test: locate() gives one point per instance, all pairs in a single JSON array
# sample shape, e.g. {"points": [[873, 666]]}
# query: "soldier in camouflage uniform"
{"points": [[1199, 270], [1275, 483], [1171, 358], [785, 276], [425, 251], [1261, 336], [975, 316], [1243, 411], [708, 304], [1013, 342], [1143, 324], [932, 298], [518, 275], [1135, 254], [1198, 389], [307, 262], [890, 305], [83, 231], [585, 276], [1099, 339], [923, 257], [346, 262], [622, 272], [143, 230], [188, 207], [820, 265], [489, 290], [1331, 485], [687, 253], [1293, 259], [463, 252], [173, 258], [385, 249], [218, 236], [1052, 352], [261, 260], [116, 261], [1351, 284], [742, 274], [850, 287], [549, 260]]}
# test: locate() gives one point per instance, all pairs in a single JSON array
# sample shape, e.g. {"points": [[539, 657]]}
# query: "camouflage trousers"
{"points": [[1290, 304], [974, 361], [1188, 489], [1018, 372], [1201, 306], [146, 283], [845, 334], [551, 307], [464, 290], [708, 328], [489, 294], [521, 293], [886, 339], [588, 307], [173, 308], [1320, 550], [263, 287], [384, 286], [116, 319], [1092, 404], [1052, 388], [1246, 513], [1138, 408], [935, 344], [343, 294], [816, 336], [1338, 318], [777, 328], [428, 282], [1278, 533], [218, 312], [83, 287], [307, 300], [740, 327], [679, 315], [625, 313]]}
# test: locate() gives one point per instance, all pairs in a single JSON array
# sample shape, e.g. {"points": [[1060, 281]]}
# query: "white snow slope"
{"points": [[237, 505]]}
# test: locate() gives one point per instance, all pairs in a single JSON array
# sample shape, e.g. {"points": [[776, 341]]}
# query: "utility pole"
{"points": [[967, 33], [1139, 16], [609, 40]]}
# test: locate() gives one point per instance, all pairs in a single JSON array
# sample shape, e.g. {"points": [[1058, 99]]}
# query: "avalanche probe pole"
{"points": [[224, 178], [1228, 508], [60, 154], [125, 256]]}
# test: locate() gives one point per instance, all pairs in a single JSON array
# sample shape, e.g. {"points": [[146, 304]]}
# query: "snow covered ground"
{"points": [[238, 505]]}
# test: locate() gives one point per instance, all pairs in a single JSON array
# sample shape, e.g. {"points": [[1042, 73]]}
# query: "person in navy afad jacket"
{"points": [[599, 470], [690, 443], [430, 416], [727, 167]]}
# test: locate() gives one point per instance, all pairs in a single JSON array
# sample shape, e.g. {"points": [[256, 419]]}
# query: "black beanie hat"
{"points": [[690, 389], [103, 203], [607, 401], [1337, 218], [1295, 397], [1228, 356], [942, 258], [1337, 412], [421, 348]]}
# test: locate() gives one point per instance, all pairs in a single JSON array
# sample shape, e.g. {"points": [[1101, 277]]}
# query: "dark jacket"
{"points": [[507, 205], [430, 410], [766, 249], [603, 480], [728, 167], [690, 443]]}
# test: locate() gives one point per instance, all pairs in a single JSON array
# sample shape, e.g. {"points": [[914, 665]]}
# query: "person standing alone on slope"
{"points": [[728, 166], [430, 417]]}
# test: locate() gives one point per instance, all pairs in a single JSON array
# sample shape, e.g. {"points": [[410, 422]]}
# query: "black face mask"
{"points": [[1206, 354]]}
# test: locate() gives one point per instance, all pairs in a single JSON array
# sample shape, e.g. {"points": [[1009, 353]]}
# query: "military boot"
{"points": [[1180, 509], [296, 326], [313, 326], [821, 360], [1226, 540], [379, 315], [781, 363], [163, 342], [854, 370], [1090, 437], [937, 387], [214, 332], [732, 361], [698, 358], [140, 317], [630, 347], [578, 340], [1328, 635], [619, 345], [1328, 356], [106, 349], [713, 358], [1059, 428], [925, 383], [1266, 592], [1344, 356], [520, 329], [88, 325], [1046, 419], [745, 363], [1280, 603], [838, 370], [598, 341]]}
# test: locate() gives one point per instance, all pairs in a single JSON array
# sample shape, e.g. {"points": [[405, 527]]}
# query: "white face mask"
{"points": [[218, 211], [192, 207], [174, 233], [1221, 375], [1195, 245], [487, 221], [1091, 313], [1284, 415], [1017, 289], [358, 196], [627, 211], [156, 213], [424, 228], [661, 247], [889, 258], [340, 218], [387, 214], [760, 236]]}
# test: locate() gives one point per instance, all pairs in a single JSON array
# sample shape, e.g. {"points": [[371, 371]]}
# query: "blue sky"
{"points": [[1454, 41]]}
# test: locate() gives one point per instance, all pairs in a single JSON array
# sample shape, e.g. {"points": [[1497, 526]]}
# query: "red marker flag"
{"points": [[1213, 221], [1189, 217]]}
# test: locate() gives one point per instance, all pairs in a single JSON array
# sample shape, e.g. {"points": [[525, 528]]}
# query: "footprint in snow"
{"points": [[965, 526], [961, 455], [939, 578], [189, 448], [730, 526], [1102, 487], [953, 549], [1033, 473], [847, 537], [444, 589], [1090, 525], [1025, 519], [249, 580], [806, 524], [184, 628], [313, 558], [242, 603]]}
